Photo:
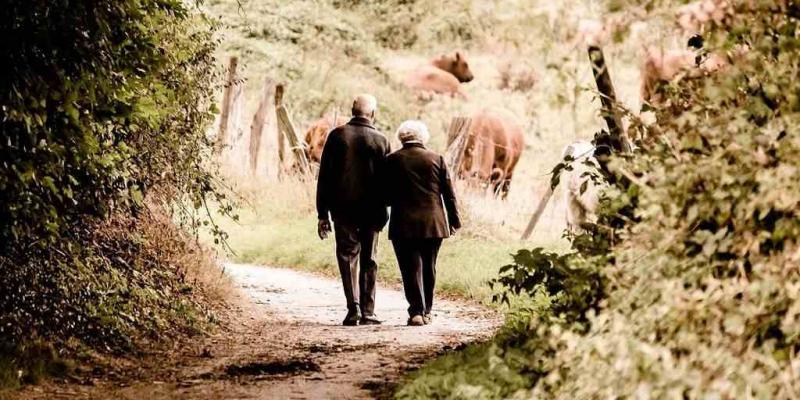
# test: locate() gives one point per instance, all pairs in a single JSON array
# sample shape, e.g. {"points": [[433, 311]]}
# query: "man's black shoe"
{"points": [[369, 320], [352, 318]]}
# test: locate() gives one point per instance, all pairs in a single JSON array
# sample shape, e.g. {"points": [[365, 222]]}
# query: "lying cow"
{"points": [[443, 75], [494, 146], [317, 134], [581, 207]]}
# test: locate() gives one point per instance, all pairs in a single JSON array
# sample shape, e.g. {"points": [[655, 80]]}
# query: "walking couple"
{"points": [[358, 180]]}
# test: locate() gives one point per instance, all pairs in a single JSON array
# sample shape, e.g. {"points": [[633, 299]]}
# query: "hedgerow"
{"points": [[691, 287], [702, 296], [104, 110]]}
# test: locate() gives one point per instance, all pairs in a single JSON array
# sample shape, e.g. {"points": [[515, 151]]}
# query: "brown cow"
{"points": [[317, 134], [663, 66], [492, 151], [443, 75]]}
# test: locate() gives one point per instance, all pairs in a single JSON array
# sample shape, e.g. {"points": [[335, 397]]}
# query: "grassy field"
{"points": [[327, 51], [278, 228]]}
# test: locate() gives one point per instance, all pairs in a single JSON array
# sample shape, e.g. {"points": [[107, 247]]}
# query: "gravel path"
{"points": [[286, 342]]}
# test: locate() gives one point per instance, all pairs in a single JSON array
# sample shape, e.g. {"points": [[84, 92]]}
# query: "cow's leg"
{"points": [[497, 180], [505, 187]]}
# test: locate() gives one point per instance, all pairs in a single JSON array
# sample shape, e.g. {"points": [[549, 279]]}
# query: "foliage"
{"points": [[100, 104], [29, 362], [573, 290], [104, 113], [501, 368], [699, 283], [284, 210], [702, 295]]}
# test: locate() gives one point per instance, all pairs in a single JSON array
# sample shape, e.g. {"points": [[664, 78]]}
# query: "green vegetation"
{"points": [[327, 51], [697, 275], [104, 110], [280, 230]]}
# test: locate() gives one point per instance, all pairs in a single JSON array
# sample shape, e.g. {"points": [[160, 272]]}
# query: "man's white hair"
{"points": [[364, 104], [413, 131]]}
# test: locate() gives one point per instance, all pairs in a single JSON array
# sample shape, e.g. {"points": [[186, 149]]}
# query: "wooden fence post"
{"points": [[538, 213], [457, 136], [287, 128], [619, 141], [279, 88], [227, 102], [261, 120]]}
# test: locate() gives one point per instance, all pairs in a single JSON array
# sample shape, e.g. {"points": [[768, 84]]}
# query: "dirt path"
{"points": [[286, 342]]}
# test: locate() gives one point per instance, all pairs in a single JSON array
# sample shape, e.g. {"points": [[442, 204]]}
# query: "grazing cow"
{"points": [[581, 207], [443, 75], [665, 65], [493, 148], [317, 134]]}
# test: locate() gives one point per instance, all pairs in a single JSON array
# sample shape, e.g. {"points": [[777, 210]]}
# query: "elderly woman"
{"points": [[423, 212]]}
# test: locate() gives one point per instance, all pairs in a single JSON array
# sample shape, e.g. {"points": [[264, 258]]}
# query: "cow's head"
{"points": [[315, 141], [317, 135], [455, 64], [316, 145]]}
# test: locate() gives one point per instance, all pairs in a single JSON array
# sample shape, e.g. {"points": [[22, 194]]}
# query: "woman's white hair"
{"points": [[413, 131]]}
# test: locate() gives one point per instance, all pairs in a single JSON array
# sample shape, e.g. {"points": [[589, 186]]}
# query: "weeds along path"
{"points": [[286, 342]]}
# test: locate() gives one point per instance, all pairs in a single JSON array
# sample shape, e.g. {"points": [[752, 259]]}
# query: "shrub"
{"points": [[702, 295], [104, 113], [695, 294]]}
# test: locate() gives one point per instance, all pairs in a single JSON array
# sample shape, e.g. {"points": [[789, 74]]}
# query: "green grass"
{"points": [[280, 230]]}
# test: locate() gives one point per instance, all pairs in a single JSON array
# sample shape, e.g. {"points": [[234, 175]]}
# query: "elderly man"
{"points": [[424, 211], [348, 189]]}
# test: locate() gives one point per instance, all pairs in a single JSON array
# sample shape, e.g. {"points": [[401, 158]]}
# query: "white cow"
{"points": [[581, 207]]}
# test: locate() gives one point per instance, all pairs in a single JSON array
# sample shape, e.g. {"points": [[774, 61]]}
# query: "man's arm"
{"points": [[324, 179], [449, 196], [383, 171]]}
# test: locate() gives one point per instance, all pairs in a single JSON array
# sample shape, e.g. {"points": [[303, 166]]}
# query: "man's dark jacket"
{"points": [[349, 176], [417, 183]]}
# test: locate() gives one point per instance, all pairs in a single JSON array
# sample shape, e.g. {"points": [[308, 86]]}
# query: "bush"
{"points": [[701, 298], [691, 288], [104, 113]]}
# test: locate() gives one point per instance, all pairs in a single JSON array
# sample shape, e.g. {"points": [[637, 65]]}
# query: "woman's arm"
{"points": [[449, 196]]}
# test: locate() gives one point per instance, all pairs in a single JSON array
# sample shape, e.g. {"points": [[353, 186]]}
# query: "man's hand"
{"points": [[323, 228]]}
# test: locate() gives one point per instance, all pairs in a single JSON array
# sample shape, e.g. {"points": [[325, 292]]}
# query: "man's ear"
{"points": [[372, 115]]}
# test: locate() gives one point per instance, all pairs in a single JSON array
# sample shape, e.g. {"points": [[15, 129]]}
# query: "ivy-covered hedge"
{"points": [[104, 107]]}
